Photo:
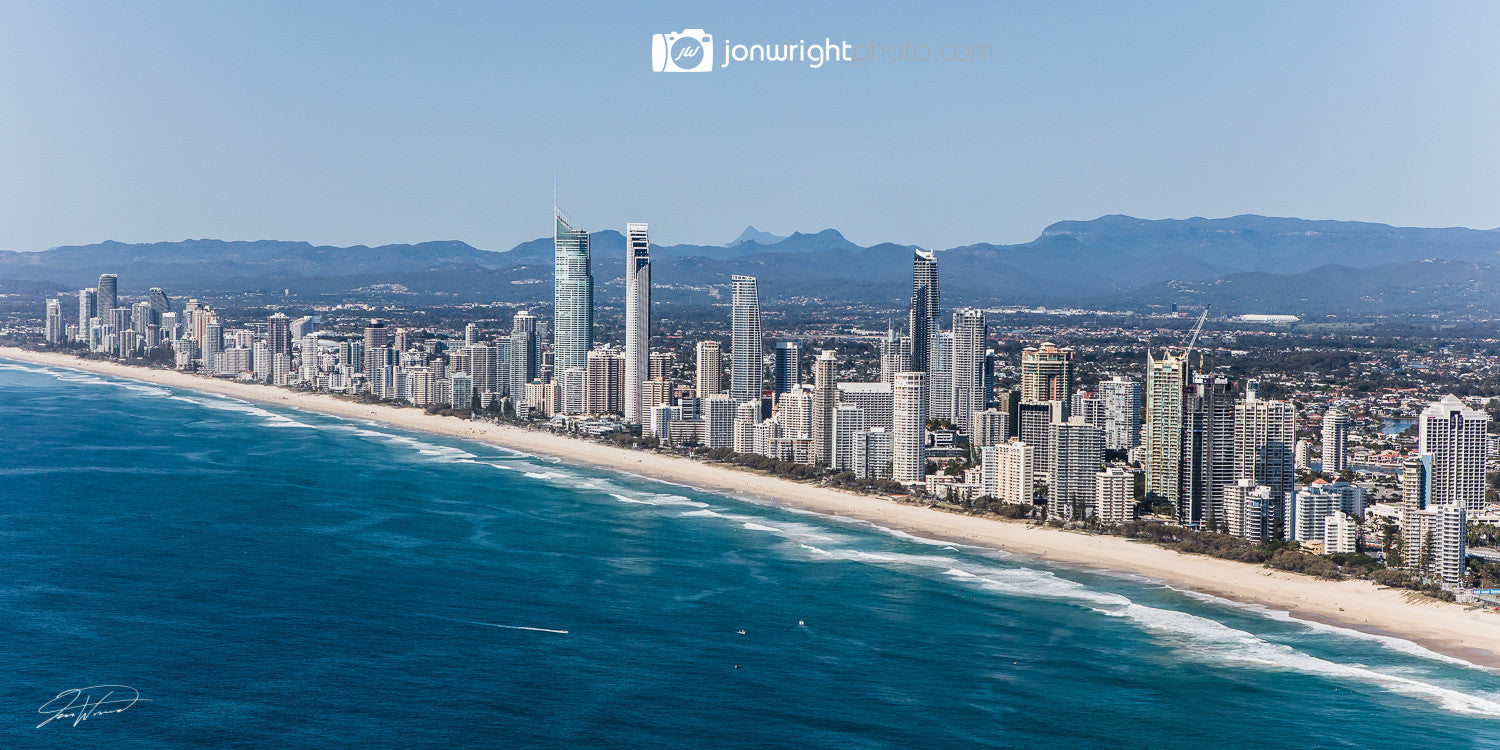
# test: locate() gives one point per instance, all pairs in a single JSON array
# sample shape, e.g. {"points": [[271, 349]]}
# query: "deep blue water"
{"points": [[270, 578]]}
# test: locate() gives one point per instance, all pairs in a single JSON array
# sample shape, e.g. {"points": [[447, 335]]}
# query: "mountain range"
{"points": [[1243, 263]]}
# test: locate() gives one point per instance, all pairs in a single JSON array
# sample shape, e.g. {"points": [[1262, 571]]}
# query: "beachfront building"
{"points": [[637, 317], [1077, 450], [1114, 495], [922, 321], [746, 374], [1455, 436], [1437, 543], [966, 372], [873, 399], [1006, 472], [847, 420], [1166, 385], [1252, 511], [572, 297], [909, 436], [825, 396], [870, 450]]}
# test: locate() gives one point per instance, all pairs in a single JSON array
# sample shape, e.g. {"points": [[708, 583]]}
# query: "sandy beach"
{"points": [[1468, 633]]}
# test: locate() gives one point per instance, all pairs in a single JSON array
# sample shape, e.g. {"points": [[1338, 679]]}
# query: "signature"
{"points": [[81, 704]]}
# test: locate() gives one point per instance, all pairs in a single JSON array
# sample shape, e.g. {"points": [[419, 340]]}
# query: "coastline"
{"points": [[1469, 634]]}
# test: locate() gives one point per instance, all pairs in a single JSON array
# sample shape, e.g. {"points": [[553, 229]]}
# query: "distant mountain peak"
{"points": [[751, 234]]}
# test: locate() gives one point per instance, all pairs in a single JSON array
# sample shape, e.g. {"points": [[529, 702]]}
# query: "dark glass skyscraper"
{"points": [[788, 366]]}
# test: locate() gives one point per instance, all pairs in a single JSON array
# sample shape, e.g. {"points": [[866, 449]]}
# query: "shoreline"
{"points": [[1451, 629]]}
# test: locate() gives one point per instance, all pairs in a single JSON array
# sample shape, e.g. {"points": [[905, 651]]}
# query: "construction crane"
{"points": [[1197, 329]]}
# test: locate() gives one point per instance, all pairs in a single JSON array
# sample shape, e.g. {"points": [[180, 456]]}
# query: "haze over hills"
{"points": [[1240, 264]]}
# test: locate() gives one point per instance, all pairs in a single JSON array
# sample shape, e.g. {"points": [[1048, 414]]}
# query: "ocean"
{"points": [[267, 578]]}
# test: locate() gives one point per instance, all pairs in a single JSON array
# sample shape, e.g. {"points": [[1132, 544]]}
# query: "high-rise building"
{"points": [[1335, 441], [1251, 511], [746, 372], [824, 398], [55, 328], [279, 333], [1089, 406], [895, 354], [787, 369], [1046, 373], [909, 436], [966, 379], [88, 309], [1166, 385], [159, 301], [660, 369], [637, 317], [847, 420], [1208, 452], [377, 338], [1122, 412], [1114, 495], [525, 361], [1036, 418], [1006, 472], [990, 427], [873, 400], [606, 382], [1437, 543], [871, 451], [108, 292], [573, 390], [1077, 449], [922, 321], [710, 369], [1455, 436], [940, 376], [1264, 438], [471, 334], [718, 420], [572, 297]]}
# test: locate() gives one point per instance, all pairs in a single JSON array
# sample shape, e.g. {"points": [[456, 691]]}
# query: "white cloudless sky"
{"points": [[375, 123]]}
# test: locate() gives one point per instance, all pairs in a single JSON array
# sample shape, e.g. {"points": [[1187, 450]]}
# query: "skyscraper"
{"points": [[108, 288], [1166, 383], [88, 307], [746, 349], [710, 369], [279, 333], [895, 354], [909, 417], [967, 374], [159, 302], [1077, 449], [1335, 441], [1264, 437], [825, 398], [637, 317], [1046, 373], [525, 360], [925, 306], [787, 370], [1122, 412], [1454, 435], [572, 298], [1208, 452], [54, 321]]}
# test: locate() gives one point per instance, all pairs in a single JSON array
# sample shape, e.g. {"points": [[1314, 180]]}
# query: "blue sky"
{"points": [[350, 123]]}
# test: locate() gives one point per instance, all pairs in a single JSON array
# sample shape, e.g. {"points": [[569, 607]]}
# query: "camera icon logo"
{"points": [[687, 51]]}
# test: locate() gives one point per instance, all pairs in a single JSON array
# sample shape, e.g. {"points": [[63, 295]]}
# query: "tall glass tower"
{"points": [[637, 316], [745, 375], [572, 298]]}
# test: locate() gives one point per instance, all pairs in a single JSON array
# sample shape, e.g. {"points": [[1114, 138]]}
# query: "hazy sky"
{"points": [[350, 123]]}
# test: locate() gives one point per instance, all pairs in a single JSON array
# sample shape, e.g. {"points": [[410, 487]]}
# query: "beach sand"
{"points": [[1468, 633]]}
